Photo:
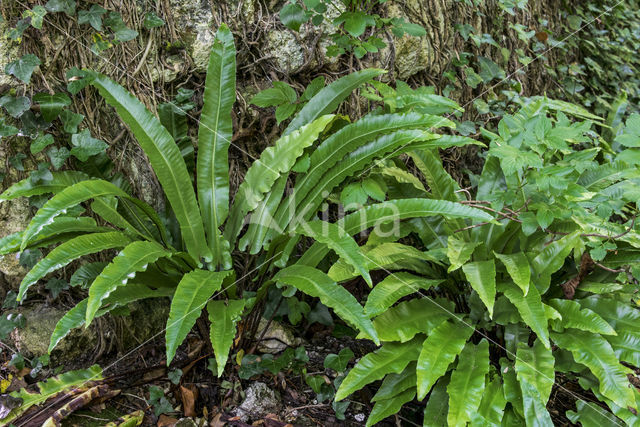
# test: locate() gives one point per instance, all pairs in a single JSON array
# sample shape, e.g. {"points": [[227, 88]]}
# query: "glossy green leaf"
{"points": [[223, 317], [591, 415], [536, 375], [166, 160], [394, 384], [530, 308], [192, 294], [390, 358], [409, 318], [467, 383], [133, 258], [339, 241], [437, 408], [329, 97], [214, 137], [274, 162], [459, 252], [482, 278], [317, 284], [27, 188], [574, 316], [69, 251], [23, 67], [392, 288], [394, 210], [384, 408], [518, 268], [492, 405], [439, 350], [596, 353]]}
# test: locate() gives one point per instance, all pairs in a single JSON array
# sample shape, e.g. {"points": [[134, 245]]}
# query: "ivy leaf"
{"points": [[66, 6], [292, 16], [93, 17], [77, 79], [37, 16], [51, 105], [70, 121], [15, 106], [338, 362], [16, 161], [355, 23], [56, 286], [23, 68], [41, 142], [152, 20], [86, 146], [30, 257], [41, 174], [489, 70], [7, 130], [121, 32], [58, 156]]}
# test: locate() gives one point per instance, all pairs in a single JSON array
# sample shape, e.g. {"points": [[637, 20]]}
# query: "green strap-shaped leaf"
{"points": [[467, 383], [392, 288], [384, 408], [394, 210], [518, 268], [437, 408], [441, 185], [337, 239], [439, 350], [134, 258], [482, 277], [121, 297], [394, 384], [409, 318], [264, 172], [388, 256], [620, 315], [107, 209], [317, 284], [530, 308], [536, 375], [552, 257], [390, 358], [335, 147], [262, 218], [27, 188], [214, 137], [591, 415], [66, 199], [61, 229], [459, 252], [166, 160], [574, 316], [492, 405], [223, 317], [69, 251], [193, 292], [329, 97], [625, 345], [595, 353]]}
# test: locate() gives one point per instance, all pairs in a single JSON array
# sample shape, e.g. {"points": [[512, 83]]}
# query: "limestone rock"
{"points": [[32, 340], [276, 339], [260, 401], [286, 52]]}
